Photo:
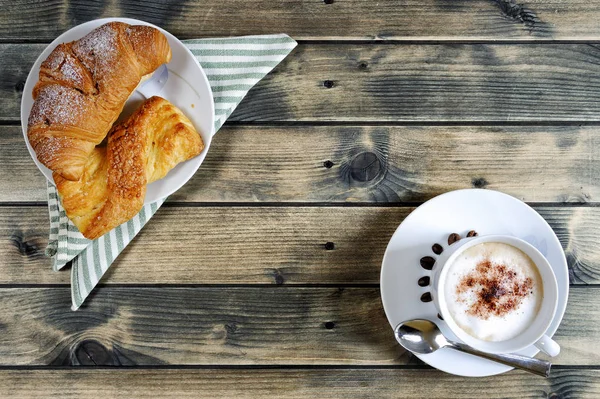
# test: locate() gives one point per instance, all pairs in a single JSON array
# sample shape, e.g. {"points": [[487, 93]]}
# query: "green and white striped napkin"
{"points": [[233, 66]]}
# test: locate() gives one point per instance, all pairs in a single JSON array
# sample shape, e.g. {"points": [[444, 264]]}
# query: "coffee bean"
{"points": [[437, 249], [472, 233], [426, 297], [424, 281], [452, 238], [427, 262]]}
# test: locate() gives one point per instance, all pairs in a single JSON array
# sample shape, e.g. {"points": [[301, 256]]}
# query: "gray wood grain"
{"points": [[402, 82], [231, 326], [318, 19], [165, 325], [366, 164], [264, 245], [304, 383]]}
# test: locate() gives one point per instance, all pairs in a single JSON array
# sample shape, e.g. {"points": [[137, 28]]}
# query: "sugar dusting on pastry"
{"points": [[82, 88], [98, 49], [58, 104]]}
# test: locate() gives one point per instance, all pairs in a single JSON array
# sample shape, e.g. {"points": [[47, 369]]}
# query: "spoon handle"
{"points": [[536, 366]]}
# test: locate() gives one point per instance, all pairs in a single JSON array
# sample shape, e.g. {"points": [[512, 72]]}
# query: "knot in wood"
{"points": [[279, 279], [365, 167], [93, 353], [231, 328], [25, 248], [517, 12]]}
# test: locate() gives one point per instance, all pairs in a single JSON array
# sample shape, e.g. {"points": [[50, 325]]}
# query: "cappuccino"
{"points": [[493, 291]]}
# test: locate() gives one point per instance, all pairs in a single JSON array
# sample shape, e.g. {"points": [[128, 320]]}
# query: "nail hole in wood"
{"points": [[328, 164], [328, 1], [479, 182], [20, 86], [328, 84], [330, 325], [423, 281], [437, 249], [427, 262], [426, 297], [329, 246], [363, 65]]}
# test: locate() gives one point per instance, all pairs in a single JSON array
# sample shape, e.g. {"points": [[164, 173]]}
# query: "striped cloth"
{"points": [[233, 66]]}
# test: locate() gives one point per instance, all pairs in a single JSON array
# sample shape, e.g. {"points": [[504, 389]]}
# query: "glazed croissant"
{"points": [[82, 88], [140, 150]]}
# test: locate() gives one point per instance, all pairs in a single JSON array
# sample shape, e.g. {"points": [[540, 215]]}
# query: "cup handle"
{"points": [[548, 346]]}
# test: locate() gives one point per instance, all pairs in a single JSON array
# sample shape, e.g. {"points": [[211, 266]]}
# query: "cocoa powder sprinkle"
{"points": [[498, 289]]}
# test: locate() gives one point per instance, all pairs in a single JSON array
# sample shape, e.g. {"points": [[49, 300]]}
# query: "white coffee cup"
{"points": [[534, 334]]}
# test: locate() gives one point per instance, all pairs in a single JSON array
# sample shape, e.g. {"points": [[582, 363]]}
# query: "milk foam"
{"points": [[463, 295]]}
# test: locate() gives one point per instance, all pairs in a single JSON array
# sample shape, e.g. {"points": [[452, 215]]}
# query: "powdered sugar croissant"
{"points": [[82, 88], [140, 150]]}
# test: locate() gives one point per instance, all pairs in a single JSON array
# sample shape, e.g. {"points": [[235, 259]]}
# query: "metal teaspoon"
{"points": [[423, 336]]}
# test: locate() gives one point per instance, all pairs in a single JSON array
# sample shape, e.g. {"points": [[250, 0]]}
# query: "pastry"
{"points": [[82, 88], [139, 150]]}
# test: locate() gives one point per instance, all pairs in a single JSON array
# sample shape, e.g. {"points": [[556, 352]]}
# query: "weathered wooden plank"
{"points": [[319, 19], [229, 326], [301, 383], [366, 164], [265, 245], [153, 326], [20, 179], [435, 82], [14, 68]]}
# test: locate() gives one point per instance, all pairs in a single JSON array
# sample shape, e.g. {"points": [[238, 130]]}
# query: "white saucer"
{"points": [[487, 212], [187, 87]]}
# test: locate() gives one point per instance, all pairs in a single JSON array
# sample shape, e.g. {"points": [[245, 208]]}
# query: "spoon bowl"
{"points": [[420, 336]]}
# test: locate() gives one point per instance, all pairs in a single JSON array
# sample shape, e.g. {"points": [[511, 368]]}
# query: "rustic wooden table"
{"points": [[260, 278]]}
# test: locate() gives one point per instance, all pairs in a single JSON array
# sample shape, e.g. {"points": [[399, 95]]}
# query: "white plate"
{"points": [[487, 212], [187, 88]]}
